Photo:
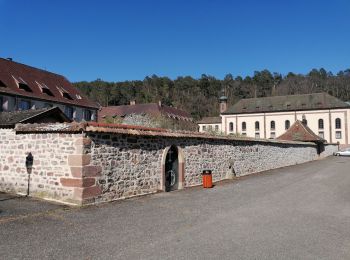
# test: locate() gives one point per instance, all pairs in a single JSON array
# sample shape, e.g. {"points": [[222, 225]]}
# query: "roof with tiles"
{"points": [[9, 119], [152, 109], [286, 103], [104, 128], [300, 132], [23, 80], [210, 120]]}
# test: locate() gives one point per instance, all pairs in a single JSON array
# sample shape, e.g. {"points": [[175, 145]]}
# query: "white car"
{"points": [[345, 152]]}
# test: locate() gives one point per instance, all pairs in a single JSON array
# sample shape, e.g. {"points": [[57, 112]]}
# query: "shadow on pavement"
{"points": [[15, 205]]}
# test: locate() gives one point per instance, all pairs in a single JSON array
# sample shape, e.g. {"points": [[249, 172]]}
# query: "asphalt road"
{"points": [[298, 212]]}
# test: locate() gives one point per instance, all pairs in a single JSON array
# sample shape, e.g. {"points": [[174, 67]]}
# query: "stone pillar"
{"points": [[83, 174]]}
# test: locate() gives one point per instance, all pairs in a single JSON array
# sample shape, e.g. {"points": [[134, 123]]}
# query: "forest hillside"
{"points": [[200, 96]]}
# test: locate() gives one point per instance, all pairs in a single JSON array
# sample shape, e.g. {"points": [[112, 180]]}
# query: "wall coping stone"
{"points": [[136, 130]]}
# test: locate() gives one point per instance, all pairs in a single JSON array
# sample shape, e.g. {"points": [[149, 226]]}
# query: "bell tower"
{"points": [[223, 101]]}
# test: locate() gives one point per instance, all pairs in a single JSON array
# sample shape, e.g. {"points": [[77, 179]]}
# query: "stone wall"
{"points": [[82, 164], [57, 169], [132, 165]]}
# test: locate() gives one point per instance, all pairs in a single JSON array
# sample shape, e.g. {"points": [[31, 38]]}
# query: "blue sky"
{"points": [[130, 39]]}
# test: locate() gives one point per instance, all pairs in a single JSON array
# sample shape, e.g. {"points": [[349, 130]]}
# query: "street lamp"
{"points": [[29, 166]]}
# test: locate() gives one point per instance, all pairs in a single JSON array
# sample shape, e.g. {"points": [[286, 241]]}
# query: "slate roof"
{"points": [[152, 109], [9, 119], [210, 120], [13, 72], [300, 132], [286, 103]]}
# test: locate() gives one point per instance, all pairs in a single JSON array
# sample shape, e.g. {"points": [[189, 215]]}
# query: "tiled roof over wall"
{"points": [[286, 103], [39, 84], [300, 132], [152, 109], [8, 119], [103, 128]]}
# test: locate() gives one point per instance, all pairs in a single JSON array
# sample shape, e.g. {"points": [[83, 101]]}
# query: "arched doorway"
{"points": [[172, 169]]}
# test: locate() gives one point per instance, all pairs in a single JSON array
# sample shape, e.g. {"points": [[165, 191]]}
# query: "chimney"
{"points": [[159, 103], [133, 102]]}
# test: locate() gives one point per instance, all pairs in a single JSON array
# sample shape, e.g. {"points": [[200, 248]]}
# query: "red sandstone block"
{"points": [[79, 160], [92, 171], [86, 171], [76, 172], [91, 192], [67, 182], [83, 141], [86, 182]]}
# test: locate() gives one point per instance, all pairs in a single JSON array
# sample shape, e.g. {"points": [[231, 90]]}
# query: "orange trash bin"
{"points": [[207, 179]]}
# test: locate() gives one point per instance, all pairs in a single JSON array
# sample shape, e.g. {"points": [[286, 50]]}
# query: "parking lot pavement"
{"points": [[16, 206], [298, 212]]}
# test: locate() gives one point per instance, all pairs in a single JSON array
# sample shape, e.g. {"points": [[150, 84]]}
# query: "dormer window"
{"points": [[2, 84], [47, 91], [44, 89], [25, 87], [67, 96], [64, 93], [78, 96], [22, 84]]}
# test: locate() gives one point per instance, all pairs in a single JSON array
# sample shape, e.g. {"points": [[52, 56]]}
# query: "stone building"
{"points": [[23, 87]]}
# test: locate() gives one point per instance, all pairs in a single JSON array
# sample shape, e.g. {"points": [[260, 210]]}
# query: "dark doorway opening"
{"points": [[172, 169]]}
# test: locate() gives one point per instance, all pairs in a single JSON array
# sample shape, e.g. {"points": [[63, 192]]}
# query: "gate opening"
{"points": [[172, 169]]}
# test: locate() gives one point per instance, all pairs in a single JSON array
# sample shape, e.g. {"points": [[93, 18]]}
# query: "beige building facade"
{"points": [[331, 124], [210, 124], [268, 118]]}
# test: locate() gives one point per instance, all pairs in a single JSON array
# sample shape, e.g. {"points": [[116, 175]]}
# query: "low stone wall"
{"points": [[84, 164], [132, 165], [58, 163]]}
